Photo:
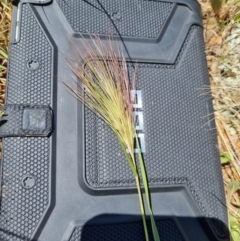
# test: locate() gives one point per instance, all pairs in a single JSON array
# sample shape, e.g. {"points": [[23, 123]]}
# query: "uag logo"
{"points": [[138, 118]]}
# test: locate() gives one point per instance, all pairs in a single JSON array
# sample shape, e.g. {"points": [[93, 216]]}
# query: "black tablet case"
{"points": [[80, 186]]}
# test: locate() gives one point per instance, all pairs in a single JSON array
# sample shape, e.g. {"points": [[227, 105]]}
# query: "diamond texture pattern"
{"points": [[21, 209], [137, 18], [123, 232], [180, 147]]}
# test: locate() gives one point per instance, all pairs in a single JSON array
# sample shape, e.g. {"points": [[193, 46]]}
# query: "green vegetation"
{"points": [[224, 86], [104, 87]]}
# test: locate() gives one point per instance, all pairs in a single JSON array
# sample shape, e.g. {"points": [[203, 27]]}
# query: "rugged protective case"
{"points": [[75, 185]]}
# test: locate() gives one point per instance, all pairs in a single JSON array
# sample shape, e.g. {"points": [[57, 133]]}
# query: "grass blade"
{"points": [[216, 5], [2, 53], [142, 208], [146, 188], [104, 88]]}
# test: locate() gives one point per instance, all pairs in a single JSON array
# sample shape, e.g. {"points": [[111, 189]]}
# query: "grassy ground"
{"points": [[5, 20], [222, 38]]}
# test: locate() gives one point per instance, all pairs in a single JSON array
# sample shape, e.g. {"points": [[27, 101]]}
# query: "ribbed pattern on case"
{"points": [[125, 231], [180, 147], [21, 209], [134, 18]]}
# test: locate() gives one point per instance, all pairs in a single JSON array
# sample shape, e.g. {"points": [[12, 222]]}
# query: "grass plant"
{"points": [[5, 22], [229, 143], [216, 5], [103, 86], [222, 49]]}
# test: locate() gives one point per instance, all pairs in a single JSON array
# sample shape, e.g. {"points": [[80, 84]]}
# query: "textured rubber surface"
{"points": [[171, 94], [27, 86], [22, 209], [72, 180], [133, 18], [26, 120], [102, 146], [123, 232]]}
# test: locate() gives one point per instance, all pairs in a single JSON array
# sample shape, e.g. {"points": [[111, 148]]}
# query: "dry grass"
{"points": [[225, 85], [221, 32], [5, 21]]}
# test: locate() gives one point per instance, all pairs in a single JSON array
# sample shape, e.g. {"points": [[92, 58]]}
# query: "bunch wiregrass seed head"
{"points": [[103, 85]]}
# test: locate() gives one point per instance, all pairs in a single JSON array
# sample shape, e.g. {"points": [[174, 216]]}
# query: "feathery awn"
{"points": [[103, 86]]}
